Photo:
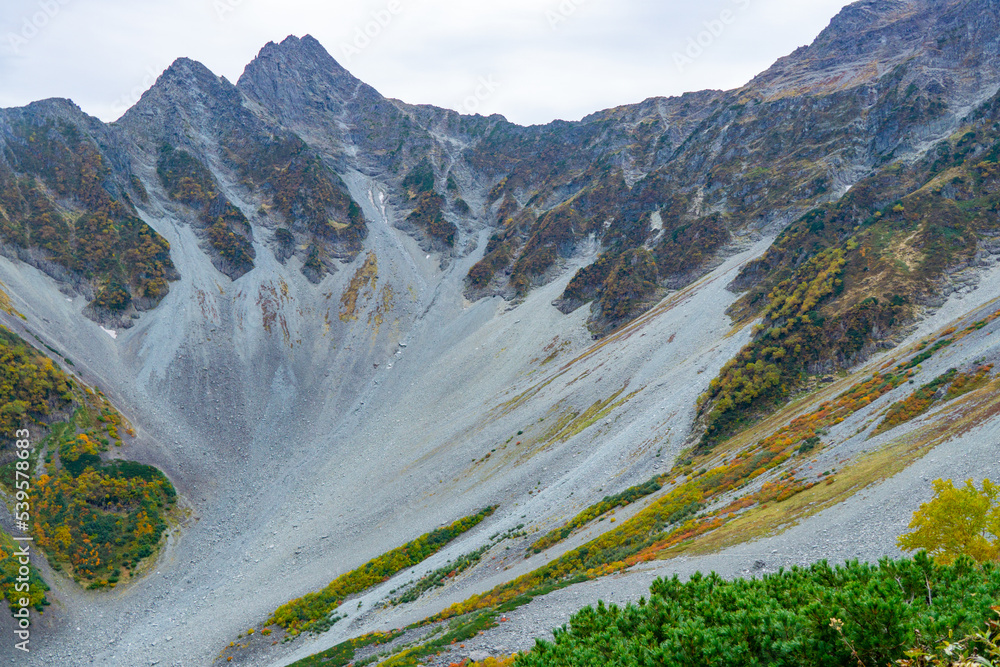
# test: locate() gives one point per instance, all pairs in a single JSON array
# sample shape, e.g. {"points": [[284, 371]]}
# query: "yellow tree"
{"points": [[957, 521]]}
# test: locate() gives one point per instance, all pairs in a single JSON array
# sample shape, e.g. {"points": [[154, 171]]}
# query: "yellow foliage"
{"points": [[956, 522], [365, 278], [496, 662]]}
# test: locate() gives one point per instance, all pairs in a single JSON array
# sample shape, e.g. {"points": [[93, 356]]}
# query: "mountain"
{"points": [[687, 333]]}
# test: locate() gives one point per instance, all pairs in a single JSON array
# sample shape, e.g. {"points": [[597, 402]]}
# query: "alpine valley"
{"points": [[313, 376]]}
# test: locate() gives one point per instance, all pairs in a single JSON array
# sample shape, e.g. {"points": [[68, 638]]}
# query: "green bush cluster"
{"points": [[440, 576], [820, 616], [342, 655], [98, 517]]}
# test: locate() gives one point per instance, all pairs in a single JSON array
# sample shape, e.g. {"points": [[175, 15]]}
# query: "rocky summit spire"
{"points": [[299, 74], [187, 95], [307, 91]]}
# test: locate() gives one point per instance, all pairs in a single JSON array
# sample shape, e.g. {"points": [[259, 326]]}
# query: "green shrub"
{"points": [[820, 616]]}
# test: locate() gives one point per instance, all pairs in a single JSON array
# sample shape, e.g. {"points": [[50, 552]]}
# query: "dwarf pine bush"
{"points": [[782, 620]]}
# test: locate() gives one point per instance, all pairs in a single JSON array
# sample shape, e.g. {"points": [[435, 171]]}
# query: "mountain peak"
{"points": [[863, 42], [185, 69], [186, 90], [298, 78], [301, 54]]}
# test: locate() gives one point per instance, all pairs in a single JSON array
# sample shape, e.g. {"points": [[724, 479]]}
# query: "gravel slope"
{"points": [[304, 444]]}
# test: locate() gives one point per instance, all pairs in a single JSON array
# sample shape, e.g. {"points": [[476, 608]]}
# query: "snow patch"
{"points": [[656, 221], [113, 334]]}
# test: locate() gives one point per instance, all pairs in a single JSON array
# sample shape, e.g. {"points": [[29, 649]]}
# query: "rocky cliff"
{"points": [[340, 321]]}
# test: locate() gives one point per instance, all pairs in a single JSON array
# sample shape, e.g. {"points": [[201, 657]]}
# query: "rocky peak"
{"points": [[302, 53], [185, 80], [870, 39], [298, 77], [187, 95], [307, 91]]}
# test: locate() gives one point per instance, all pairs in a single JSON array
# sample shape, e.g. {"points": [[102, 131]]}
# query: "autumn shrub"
{"points": [[946, 387], [429, 217], [609, 503], [101, 518], [958, 521], [458, 630], [95, 516], [33, 387], [108, 245], [764, 372], [857, 241], [9, 574], [98, 517], [496, 662], [311, 612], [674, 518]]}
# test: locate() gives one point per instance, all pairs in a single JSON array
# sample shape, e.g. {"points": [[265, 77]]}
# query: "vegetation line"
{"points": [[312, 612]]}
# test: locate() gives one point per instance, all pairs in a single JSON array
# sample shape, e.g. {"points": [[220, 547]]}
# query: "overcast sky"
{"points": [[541, 59]]}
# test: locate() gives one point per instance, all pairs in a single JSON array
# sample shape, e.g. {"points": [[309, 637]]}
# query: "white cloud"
{"points": [[600, 53]]}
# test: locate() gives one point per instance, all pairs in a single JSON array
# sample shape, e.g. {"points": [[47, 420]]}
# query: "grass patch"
{"points": [[596, 412]]}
